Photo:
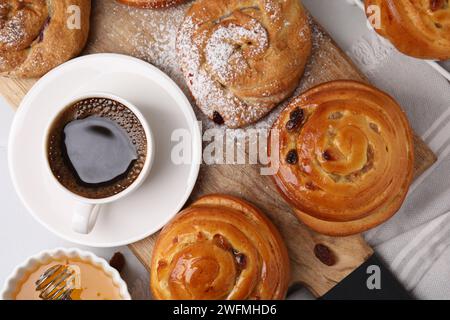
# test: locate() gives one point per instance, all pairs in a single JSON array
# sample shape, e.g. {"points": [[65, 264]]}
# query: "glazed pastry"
{"points": [[38, 35], [151, 4], [241, 58], [417, 28], [345, 157], [220, 248]]}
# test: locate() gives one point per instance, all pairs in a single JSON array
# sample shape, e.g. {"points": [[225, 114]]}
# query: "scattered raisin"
{"points": [[217, 118], [325, 255], [292, 157], [117, 261]]}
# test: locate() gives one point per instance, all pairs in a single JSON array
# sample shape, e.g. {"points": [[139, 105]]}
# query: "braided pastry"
{"points": [[152, 4], [241, 58], [345, 157], [419, 28], [220, 248], [35, 35]]}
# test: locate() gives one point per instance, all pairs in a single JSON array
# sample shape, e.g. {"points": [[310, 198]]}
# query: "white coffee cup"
{"points": [[86, 210]]}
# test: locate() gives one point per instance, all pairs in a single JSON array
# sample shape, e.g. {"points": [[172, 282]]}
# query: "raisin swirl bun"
{"points": [[419, 28], [345, 157], [38, 35], [220, 248], [241, 58], [152, 4]]}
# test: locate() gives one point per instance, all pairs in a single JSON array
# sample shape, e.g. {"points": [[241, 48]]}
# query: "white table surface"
{"points": [[22, 236]]}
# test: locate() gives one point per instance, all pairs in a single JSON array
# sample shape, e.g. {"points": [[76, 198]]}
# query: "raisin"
{"points": [[327, 156], [436, 5], [292, 125], [325, 255], [292, 157], [41, 33], [297, 114], [221, 242], [217, 118], [295, 119], [241, 260], [374, 127], [117, 261]]}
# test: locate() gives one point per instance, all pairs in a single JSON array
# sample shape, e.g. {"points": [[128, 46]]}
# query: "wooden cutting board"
{"points": [[150, 35]]}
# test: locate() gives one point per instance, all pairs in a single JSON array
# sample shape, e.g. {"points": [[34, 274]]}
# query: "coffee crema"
{"points": [[96, 148]]}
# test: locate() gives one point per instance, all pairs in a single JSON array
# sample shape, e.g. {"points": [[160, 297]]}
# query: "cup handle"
{"points": [[84, 217]]}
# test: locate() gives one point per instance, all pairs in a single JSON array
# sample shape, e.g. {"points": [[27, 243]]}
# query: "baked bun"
{"points": [[241, 58], [345, 157], [417, 28], [220, 248], [38, 35], [151, 4]]}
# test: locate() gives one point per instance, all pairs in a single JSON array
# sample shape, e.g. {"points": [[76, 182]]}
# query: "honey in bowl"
{"points": [[94, 282]]}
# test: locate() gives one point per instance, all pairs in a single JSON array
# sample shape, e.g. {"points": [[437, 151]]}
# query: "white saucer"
{"points": [[164, 106]]}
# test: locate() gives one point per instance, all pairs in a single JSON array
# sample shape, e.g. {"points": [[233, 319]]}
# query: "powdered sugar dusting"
{"points": [[209, 93], [12, 31], [220, 50], [151, 35], [216, 54], [21, 29]]}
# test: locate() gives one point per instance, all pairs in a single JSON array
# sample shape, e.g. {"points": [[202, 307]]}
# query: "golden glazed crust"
{"points": [[345, 157], [418, 28], [37, 35], [241, 58], [152, 4], [220, 248]]}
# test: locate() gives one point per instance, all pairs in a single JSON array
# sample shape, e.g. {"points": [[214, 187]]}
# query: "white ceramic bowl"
{"points": [[45, 256]]}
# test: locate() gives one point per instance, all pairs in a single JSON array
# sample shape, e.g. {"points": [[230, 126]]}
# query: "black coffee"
{"points": [[97, 148]]}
